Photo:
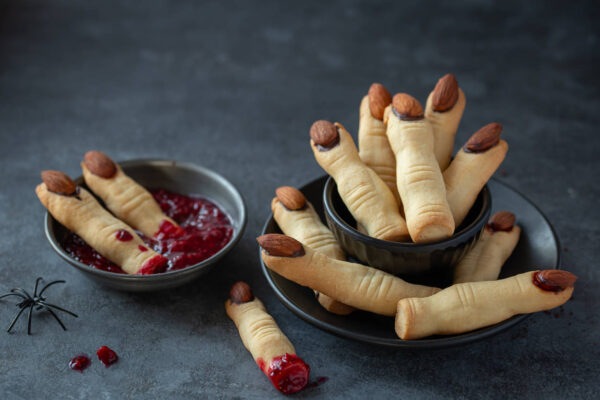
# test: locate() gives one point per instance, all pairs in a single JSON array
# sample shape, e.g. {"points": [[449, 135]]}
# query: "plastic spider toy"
{"points": [[36, 301]]}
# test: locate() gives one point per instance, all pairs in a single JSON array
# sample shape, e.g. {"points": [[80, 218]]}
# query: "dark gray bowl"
{"points": [[430, 263], [181, 177]]}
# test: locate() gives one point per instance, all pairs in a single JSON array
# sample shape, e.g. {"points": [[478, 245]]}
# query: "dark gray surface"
{"points": [[235, 88]]}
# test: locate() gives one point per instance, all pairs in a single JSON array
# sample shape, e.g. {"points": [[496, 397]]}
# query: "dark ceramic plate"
{"points": [[537, 248]]}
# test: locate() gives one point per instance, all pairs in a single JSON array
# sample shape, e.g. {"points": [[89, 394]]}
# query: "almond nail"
{"points": [[59, 182], [240, 293], [100, 164], [484, 138], [379, 99], [554, 280], [324, 134], [407, 108], [290, 197], [502, 221], [445, 94], [280, 245]]}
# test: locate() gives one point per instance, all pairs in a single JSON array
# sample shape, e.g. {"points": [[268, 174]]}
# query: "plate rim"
{"points": [[420, 344]]}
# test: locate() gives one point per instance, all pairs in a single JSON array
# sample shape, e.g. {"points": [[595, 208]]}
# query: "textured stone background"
{"points": [[235, 87]]}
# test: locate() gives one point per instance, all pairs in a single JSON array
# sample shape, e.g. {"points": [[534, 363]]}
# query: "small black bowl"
{"points": [[430, 263]]}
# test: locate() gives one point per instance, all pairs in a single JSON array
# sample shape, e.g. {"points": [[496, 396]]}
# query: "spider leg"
{"points": [[37, 282], [21, 290], [29, 322], [13, 294], [16, 318], [48, 285], [47, 305], [57, 319]]}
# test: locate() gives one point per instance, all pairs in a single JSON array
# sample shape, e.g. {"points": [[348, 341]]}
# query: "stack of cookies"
{"points": [[402, 184]]}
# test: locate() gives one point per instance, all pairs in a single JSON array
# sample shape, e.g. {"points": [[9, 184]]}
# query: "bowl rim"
{"points": [[237, 235], [457, 238]]}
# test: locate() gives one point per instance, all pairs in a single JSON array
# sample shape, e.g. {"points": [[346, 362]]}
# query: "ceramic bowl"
{"points": [[430, 263], [180, 177]]}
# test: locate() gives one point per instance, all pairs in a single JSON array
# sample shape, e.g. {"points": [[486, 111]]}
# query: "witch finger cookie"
{"points": [[418, 174], [126, 198], [297, 218], [270, 348], [496, 243], [467, 306], [444, 109], [366, 196], [76, 209], [472, 167], [373, 145]]}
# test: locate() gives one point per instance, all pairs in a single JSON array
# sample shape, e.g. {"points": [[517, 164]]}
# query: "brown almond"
{"points": [[290, 197], [407, 107], [445, 93], [502, 221], [280, 245], [554, 279], [484, 138], [240, 292], [379, 99], [324, 133], [59, 182], [100, 164]]}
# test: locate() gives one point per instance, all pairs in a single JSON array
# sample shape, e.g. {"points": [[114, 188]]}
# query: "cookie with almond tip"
{"points": [[270, 348], [496, 243], [418, 174], [124, 197], [471, 168], [468, 306], [76, 209], [357, 285], [297, 218], [366, 196], [373, 145], [444, 109]]}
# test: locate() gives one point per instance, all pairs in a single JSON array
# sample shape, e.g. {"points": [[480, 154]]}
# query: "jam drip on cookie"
{"points": [[205, 229], [288, 373]]}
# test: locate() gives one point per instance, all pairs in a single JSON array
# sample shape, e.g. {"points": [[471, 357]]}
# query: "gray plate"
{"points": [[538, 247], [180, 177]]}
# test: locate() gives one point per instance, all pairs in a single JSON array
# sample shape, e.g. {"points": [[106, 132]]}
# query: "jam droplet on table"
{"points": [[79, 363], [288, 373], [319, 381], [123, 235], [205, 229], [107, 356]]}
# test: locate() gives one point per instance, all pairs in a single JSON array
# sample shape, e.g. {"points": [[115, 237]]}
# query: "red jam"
{"points": [[143, 249], [79, 363], [206, 229], [107, 356], [123, 235], [319, 381], [288, 373]]}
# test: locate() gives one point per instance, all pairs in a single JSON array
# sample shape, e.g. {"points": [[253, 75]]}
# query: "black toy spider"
{"points": [[37, 301]]}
